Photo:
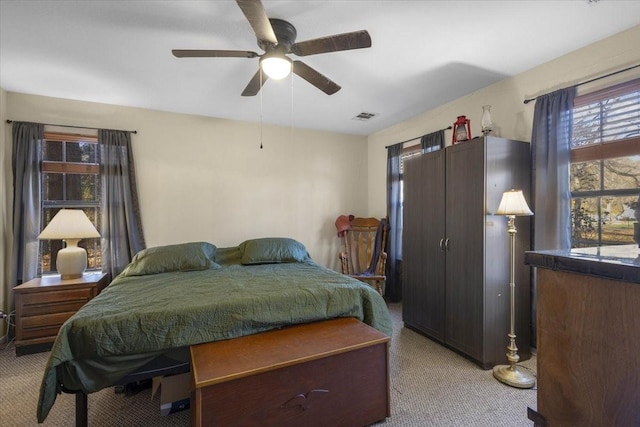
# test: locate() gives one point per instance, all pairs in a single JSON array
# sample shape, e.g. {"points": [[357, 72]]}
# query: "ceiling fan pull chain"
{"points": [[260, 70], [291, 122]]}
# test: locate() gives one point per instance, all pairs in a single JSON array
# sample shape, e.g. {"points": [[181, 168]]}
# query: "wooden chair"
{"points": [[364, 239]]}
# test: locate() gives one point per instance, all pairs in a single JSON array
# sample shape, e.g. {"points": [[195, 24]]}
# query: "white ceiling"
{"points": [[423, 54]]}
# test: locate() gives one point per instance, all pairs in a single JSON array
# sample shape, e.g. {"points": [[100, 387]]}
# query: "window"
{"points": [[407, 153], [605, 166], [70, 179]]}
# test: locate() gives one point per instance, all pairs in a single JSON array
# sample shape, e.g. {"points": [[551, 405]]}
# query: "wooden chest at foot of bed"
{"points": [[329, 373]]}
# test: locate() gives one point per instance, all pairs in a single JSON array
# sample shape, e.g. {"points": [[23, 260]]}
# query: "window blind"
{"points": [[607, 115]]}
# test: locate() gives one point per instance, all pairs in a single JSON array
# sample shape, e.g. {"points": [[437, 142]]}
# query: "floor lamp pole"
{"points": [[512, 374]]}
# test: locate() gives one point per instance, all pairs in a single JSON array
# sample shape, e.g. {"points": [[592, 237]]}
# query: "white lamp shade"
{"points": [[513, 203], [276, 67], [70, 225]]}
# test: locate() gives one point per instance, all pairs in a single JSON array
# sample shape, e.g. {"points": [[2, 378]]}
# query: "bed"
{"points": [[174, 296]]}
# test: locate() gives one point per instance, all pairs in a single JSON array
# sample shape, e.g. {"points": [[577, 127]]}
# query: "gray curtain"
{"points": [[432, 142], [393, 285], [27, 200], [121, 225], [550, 155], [551, 145]]}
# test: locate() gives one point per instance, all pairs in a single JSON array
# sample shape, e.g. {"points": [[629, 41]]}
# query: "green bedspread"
{"points": [[137, 318]]}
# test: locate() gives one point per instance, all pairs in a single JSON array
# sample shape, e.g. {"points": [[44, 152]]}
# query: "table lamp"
{"points": [[70, 225], [513, 204]]}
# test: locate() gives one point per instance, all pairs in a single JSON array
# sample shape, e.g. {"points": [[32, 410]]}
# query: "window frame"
{"points": [[68, 168], [601, 151]]}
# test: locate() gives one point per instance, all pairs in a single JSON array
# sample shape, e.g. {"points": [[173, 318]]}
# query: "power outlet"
{"points": [[3, 314]]}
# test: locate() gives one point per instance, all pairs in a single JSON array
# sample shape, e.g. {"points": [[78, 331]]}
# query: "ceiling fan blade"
{"points": [[258, 19], [335, 43], [195, 53], [255, 84], [315, 78]]}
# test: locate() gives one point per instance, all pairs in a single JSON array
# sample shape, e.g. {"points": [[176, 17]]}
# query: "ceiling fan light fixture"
{"points": [[275, 66]]}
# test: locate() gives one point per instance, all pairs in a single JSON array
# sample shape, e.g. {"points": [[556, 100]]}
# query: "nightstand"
{"points": [[44, 304]]}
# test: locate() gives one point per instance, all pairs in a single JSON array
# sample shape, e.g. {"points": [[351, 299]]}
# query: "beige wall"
{"points": [[207, 179], [512, 117]]}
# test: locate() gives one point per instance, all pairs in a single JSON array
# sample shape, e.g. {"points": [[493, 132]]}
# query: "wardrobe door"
{"points": [[465, 249], [423, 256]]}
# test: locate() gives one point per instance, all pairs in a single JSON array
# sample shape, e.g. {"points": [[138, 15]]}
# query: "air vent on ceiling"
{"points": [[365, 116]]}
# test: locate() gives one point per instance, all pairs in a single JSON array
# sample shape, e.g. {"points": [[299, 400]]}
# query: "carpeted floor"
{"points": [[430, 386]]}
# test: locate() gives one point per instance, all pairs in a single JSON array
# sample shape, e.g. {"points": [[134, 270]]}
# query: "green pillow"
{"points": [[272, 250], [181, 257]]}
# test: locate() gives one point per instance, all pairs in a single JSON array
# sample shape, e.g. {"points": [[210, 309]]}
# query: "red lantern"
{"points": [[461, 130]]}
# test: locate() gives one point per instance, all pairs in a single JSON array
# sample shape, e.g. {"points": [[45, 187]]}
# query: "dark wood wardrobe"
{"points": [[455, 254]]}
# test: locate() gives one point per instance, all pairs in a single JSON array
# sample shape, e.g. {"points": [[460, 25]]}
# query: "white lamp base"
{"points": [[71, 261]]}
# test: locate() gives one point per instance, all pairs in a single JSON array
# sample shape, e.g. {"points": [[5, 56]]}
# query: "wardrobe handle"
{"points": [[442, 244], [446, 244]]}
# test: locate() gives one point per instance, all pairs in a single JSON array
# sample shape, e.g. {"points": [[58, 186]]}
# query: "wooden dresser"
{"points": [[329, 373], [44, 304], [588, 328]]}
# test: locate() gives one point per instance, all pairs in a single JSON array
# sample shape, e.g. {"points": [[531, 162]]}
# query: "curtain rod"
{"points": [[77, 127], [526, 101], [447, 128]]}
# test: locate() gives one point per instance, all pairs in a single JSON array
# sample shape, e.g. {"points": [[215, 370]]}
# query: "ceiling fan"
{"points": [[277, 38]]}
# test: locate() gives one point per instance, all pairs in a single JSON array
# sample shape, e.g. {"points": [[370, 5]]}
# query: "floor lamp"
{"points": [[513, 204]]}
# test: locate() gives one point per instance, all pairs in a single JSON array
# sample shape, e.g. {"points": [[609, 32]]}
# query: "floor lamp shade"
{"points": [[70, 225], [513, 203]]}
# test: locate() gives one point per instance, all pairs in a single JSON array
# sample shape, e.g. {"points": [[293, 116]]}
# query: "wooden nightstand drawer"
{"points": [[44, 304], [42, 326], [62, 301]]}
